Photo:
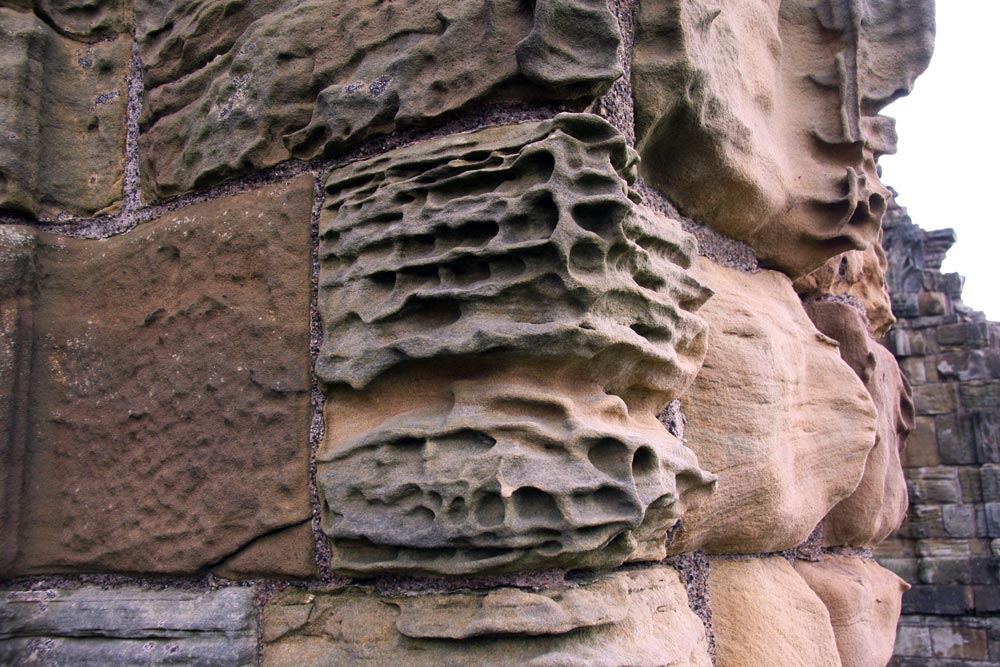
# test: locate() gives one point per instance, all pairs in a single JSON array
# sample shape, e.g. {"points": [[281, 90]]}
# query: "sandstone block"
{"points": [[638, 618], [922, 445], [128, 627], [878, 506], [502, 325], [161, 388], [232, 88], [763, 613], [864, 602], [787, 428], [980, 395], [776, 105], [62, 114]]}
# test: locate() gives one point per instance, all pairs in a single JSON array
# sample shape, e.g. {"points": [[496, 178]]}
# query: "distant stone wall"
{"points": [[948, 547], [449, 332]]}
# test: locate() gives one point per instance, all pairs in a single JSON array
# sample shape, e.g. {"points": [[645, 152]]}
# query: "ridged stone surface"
{"points": [[761, 120]]}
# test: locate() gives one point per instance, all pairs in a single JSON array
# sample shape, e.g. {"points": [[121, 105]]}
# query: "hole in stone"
{"points": [[586, 255], [614, 501], [385, 280], [489, 509], [610, 457], [644, 463], [536, 505], [599, 216], [421, 516]]}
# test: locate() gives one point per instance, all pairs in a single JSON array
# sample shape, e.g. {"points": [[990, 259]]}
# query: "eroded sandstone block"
{"points": [[161, 389], [502, 324], [864, 601], [775, 413], [878, 506], [62, 111], [236, 87], [760, 117], [128, 627], [857, 274], [637, 618], [763, 613], [80, 18]]}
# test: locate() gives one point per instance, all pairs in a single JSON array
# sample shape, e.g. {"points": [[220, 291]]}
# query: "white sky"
{"points": [[949, 146]]}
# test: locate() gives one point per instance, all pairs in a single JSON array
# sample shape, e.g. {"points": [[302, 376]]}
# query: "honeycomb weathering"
{"points": [[447, 265]]}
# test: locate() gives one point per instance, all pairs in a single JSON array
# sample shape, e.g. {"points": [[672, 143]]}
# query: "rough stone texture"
{"points": [[864, 601], [878, 506], [128, 627], [775, 105], [232, 88], [855, 274], [787, 428], [947, 546], [62, 108], [160, 387], [538, 320], [764, 613], [635, 619]]}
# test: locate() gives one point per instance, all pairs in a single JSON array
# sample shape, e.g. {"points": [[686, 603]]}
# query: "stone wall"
{"points": [[449, 332], [948, 547]]}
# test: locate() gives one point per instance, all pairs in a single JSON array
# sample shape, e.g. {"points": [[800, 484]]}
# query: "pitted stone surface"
{"points": [[878, 506], [232, 88], [538, 320], [62, 111], [128, 627], [774, 104], [639, 618], [165, 374], [764, 613], [775, 413], [864, 601]]}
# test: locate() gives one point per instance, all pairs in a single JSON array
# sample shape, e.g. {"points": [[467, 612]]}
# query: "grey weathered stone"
{"points": [[126, 627]]}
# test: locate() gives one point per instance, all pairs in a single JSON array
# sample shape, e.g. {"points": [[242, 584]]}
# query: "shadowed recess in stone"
{"points": [[760, 118], [635, 619], [502, 324], [776, 413], [62, 112], [235, 87], [160, 391], [859, 275], [878, 506]]}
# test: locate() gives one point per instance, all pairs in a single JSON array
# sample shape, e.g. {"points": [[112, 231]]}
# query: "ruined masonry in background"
{"points": [[479, 332], [948, 547]]}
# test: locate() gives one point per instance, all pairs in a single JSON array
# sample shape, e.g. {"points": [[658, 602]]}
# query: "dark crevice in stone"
{"points": [[717, 247]]}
